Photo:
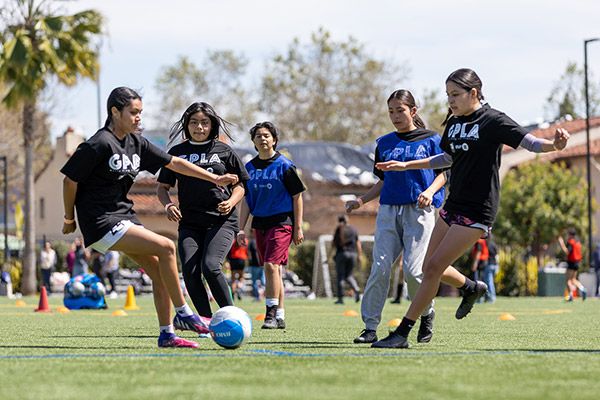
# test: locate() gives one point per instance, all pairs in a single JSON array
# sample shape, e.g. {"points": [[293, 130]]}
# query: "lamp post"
{"points": [[588, 158], [5, 169]]}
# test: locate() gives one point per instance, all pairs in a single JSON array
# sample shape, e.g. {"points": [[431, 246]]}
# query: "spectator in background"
{"points": [[348, 252], [479, 258], [596, 265], [573, 250], [70, 259], [257, 271], [110, 269], [47, 264], [80, 265], [491, 269], [237, 261]]}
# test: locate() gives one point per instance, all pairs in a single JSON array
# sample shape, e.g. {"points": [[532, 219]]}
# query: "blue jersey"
{"points": [[271, 186], [404, 187]]}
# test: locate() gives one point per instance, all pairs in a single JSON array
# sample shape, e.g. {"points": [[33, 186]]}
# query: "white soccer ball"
{"points": [[98, 290], [230, 327], [77, 289]]}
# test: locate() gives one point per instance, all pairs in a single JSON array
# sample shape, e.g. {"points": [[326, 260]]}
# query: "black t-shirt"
{"points": [[345, 238], [104, 168], [292, 183], [198, 199], [475, 144]]}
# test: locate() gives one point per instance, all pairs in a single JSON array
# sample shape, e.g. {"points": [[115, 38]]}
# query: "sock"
{"points": [[405, 326], [184, 310], [167, 329], [280, 313], [272, 302], [399, 291], [469, 285]]}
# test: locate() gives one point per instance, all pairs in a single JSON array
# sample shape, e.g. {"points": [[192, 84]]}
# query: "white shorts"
{"points": [[112, 237]]}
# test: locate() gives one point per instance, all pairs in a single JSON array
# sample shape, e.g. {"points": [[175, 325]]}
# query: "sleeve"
{"points": [[377, 172], [237, 167], [436, 150], [508, 131], [292, 181], [167, 176], [153, 158], [82, 163]]}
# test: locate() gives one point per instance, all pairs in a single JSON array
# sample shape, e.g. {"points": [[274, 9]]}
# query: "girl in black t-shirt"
{"points": [[206, 212], [472, 145], [98, 177]]}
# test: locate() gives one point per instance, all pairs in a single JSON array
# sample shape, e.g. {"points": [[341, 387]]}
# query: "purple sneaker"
{"points": [[192, 322], [172, 340]]}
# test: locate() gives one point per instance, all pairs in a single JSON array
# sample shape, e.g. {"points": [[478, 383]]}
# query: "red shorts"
{"points": [[273, 244]]}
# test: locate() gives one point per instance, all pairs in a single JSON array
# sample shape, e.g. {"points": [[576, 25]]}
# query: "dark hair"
{"points": [[268, 126], [572, 231], [120, 98], [467, 79], [216, 123], [406, 97], [343, 218]]}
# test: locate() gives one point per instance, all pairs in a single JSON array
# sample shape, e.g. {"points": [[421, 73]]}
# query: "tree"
{"points": [[433, 110], [568, 94], [539, 202], [329, 90], [217, 81], [37, 44]]}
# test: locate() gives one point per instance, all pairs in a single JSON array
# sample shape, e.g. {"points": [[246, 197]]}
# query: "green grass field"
{"points": [[550, 351]]}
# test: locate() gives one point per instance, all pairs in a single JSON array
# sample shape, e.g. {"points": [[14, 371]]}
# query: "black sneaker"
{"points": [[426, 328], [395, 301], [393, 341], [469, 299], [270, 318], [357, 296], [280, 323], [366, 336], [339, 301]]}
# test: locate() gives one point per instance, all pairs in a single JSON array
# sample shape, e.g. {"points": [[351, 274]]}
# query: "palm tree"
{"points": [[36, 44]]}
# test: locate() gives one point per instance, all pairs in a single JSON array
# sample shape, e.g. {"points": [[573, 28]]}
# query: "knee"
{"points": [[166, 248], [433, 270], [272, 268]]}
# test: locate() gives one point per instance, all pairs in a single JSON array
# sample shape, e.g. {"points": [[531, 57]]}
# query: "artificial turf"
{"points": [[551, 350]]}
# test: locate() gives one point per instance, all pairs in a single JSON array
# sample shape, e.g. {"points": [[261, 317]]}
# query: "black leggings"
{"points": [[345, 262], [202, 252]]}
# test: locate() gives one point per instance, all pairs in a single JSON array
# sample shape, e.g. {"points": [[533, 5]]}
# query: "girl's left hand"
{"points": [[391, 166], [298, 235], [561, 136], [425, 199], [225, 207]]}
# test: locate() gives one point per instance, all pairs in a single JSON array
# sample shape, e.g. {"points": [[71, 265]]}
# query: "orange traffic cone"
{"points": [[43, 305], [130, 303]]}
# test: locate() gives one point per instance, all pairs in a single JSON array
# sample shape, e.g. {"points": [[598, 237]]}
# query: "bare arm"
{"points": [[475, 260], [173, 212], [563, 247], [298, 235], [371, 194], [237, 194], [184, 167], [244, 214], [426, 197], [69, 193]]}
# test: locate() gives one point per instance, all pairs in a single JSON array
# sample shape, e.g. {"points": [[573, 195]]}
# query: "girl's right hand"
{"points": [[69, 228], [173, 213], [227, 179], [352, 205], [391, 166]]}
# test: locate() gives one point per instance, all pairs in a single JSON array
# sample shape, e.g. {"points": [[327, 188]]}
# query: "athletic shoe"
{"points": [[204, 336], [569, 298], [366, 336], [393, 341], [172, 340], [192, 322], [357, 297], [270, 318], [426, 328], [395, 301], [339, 301], [280, 323], [469, 299], [583, 294]]}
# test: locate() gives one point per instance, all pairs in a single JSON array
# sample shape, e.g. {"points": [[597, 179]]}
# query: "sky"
{"points": [[518, 48]]}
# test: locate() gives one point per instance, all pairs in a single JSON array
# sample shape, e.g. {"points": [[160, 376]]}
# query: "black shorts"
{"points": [[237, 264], [573, 265]]}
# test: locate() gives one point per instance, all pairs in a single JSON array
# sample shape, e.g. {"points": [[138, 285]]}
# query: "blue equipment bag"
{"points": [[84, 292]]}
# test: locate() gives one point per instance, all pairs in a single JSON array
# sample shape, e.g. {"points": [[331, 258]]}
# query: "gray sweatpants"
{"points": [[406, 228]]}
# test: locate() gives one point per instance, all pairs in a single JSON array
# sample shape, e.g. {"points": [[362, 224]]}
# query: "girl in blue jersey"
{"points": [[472, 146], [406, 213], [274, 198]]}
